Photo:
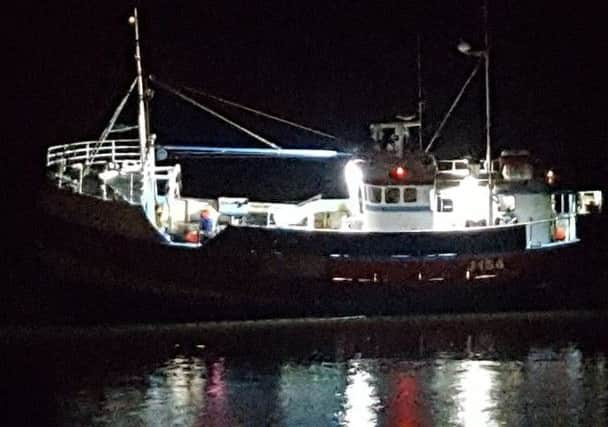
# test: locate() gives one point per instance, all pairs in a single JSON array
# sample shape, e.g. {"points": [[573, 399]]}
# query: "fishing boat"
{"points": [[412, 232]]}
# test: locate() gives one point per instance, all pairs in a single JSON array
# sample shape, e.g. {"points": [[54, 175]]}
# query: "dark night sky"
{"points": [[336, 66]]}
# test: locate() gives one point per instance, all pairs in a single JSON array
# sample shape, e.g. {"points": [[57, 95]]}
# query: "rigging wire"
{"points": [[112, 122], [259, 113], [454, 104], [213, 113], [117, 112]]}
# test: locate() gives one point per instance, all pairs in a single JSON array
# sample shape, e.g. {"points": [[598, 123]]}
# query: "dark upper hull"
{"points": [[256, 272]]}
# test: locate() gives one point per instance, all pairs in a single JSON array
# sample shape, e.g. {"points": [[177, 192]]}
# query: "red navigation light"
{"points": [[398, 173]]}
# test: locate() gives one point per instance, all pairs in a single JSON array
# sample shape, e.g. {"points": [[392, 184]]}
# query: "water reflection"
{"points": [[476, 393], [311, 394], [361, 401], [405, 404], [465, 379], [174, 393], [216, 394]]}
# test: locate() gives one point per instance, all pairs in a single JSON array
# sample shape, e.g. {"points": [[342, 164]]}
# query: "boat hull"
{"points": [[253, 273]]}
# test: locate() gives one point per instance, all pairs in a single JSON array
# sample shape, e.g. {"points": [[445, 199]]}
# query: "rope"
{"points": [[110, 125], [214, 113], [454, 104], [260, 113], [108, 128]]}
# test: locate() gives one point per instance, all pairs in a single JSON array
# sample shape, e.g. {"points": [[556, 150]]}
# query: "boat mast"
{"points": [[484, 55], [488, 122], [148, 187], [420, 101], [141, 118]]}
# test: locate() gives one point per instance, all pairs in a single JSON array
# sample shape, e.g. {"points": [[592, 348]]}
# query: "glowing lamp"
{"points": [[550, 177], [464, 47], [398, 173]]}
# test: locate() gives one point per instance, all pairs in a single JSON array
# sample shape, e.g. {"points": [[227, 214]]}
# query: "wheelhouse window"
{"points": [[563, 203], [393, 195], [444, 166], [409, 195], [506, 203], [445, 205], [374, 194]]}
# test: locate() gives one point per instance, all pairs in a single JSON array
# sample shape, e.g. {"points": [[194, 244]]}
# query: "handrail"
{"points": [[93, 152], [565, 221]]}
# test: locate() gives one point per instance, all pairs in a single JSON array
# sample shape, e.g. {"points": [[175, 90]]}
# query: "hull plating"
{"points": [[267, 273]]}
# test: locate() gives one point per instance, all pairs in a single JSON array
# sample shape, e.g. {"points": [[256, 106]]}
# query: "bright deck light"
{"points": [[353, 174], [471, 199]]}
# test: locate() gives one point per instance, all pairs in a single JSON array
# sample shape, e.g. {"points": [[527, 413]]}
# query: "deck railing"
{"points": [[94, 152], [549, 232], [170, 176]]}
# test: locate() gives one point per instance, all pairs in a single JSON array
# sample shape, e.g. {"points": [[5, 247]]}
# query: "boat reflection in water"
{"points": [[468, 370]]}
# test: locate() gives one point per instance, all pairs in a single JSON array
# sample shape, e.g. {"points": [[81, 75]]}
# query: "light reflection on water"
{"points": [[361, 402], [363, 392], [451, 379]]}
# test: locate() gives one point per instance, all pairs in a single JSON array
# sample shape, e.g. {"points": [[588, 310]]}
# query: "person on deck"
{"points": [[206, 225]]}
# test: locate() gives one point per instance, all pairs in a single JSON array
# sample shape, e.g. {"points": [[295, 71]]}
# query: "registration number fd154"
{"points": [[486, 265]]}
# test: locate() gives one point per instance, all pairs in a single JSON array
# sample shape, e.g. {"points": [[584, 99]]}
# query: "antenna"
{"points": [[420, 93]]}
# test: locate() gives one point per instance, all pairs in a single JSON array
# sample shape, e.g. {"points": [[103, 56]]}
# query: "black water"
{"points": [[521, 369]]}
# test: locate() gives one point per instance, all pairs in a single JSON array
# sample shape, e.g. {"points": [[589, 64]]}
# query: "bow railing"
{"points": [[94, 153]]}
